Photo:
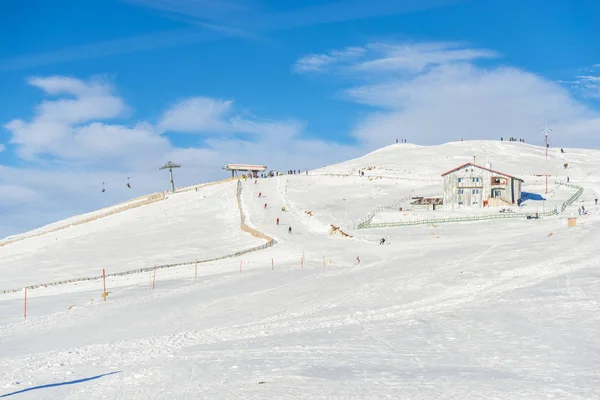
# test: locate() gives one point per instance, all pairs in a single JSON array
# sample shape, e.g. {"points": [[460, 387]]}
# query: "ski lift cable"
{"points": [[81, 189]]}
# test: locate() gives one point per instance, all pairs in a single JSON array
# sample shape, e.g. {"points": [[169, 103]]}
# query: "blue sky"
{"points": [[100, 90]]}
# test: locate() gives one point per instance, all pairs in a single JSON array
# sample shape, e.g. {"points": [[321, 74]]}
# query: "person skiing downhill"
{"points": [[265, 205], [290, 229], [259, 194], [277, 221]]}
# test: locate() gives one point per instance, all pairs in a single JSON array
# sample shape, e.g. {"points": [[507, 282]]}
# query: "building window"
{"points": [[475, 191], [475, 180], [461, 191], [460, 203], [459, 180]]}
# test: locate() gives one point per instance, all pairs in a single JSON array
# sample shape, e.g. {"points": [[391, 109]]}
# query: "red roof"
{"points": [[484, 168]]}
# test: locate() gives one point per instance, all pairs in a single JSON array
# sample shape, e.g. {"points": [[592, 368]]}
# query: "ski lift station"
{"points": [[235, 168]]}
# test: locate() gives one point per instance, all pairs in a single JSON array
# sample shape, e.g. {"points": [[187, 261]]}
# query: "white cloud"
{"points": [[436, 92], [196, 115], [204, 115], [56, 129]]}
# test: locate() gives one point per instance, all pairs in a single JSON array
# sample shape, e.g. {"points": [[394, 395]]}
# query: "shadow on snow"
{"points": [[531, 196], [59, 384]]}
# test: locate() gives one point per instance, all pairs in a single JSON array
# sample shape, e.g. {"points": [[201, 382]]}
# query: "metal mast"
{"points": [[545, 130], [170, 167]]}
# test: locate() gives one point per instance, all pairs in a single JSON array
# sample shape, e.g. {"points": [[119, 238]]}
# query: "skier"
{"points": [[255, 181], [596, 200], [277, 221], [568, 180], [259, 194], [382, 241], [290, 229], [265, 206], [562, 150], [357, 260]]}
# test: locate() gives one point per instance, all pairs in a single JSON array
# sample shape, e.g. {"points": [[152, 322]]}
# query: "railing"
{"points": [[457, 219], [363, 222], [572, 199]]}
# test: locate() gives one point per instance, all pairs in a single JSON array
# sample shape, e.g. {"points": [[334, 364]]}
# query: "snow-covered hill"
{"points": [[500, 309]]}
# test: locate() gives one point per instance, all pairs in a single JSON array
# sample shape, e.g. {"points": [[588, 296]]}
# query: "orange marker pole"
{"points": [[154, 279], [25, 305], [104, 280]]}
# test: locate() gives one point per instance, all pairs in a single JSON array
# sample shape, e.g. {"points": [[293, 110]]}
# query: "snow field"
{"points": [[184, 227], [494, 309]]}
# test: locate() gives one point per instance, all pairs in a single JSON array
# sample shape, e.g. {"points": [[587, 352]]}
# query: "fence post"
{"points": [[104, 294], [154, 278], [25, 305], [196, 269]]}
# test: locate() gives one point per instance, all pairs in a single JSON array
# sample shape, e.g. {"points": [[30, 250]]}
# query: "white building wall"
{"points": [[479, 180]]}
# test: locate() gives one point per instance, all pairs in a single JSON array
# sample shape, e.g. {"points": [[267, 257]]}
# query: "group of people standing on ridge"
{"points": [[512, 139]]}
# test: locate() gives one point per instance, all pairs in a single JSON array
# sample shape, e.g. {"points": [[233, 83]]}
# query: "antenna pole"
{"points": [[546, 130], [170, 167]]}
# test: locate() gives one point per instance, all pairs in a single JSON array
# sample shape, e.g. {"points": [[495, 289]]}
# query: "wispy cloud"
{"points": [[318, 62], [387, 57], [114, 47], [589, 85], [212, 20]]}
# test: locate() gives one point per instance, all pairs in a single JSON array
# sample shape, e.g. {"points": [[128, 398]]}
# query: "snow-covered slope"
{"points": [[494, 309], [184, 227]]}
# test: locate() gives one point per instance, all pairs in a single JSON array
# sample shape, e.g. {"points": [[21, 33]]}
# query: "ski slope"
{"points": [[493, 309], [184, 227]]}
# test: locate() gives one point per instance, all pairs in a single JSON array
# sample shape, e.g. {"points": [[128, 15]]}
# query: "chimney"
{"points": [[488, 165]]}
